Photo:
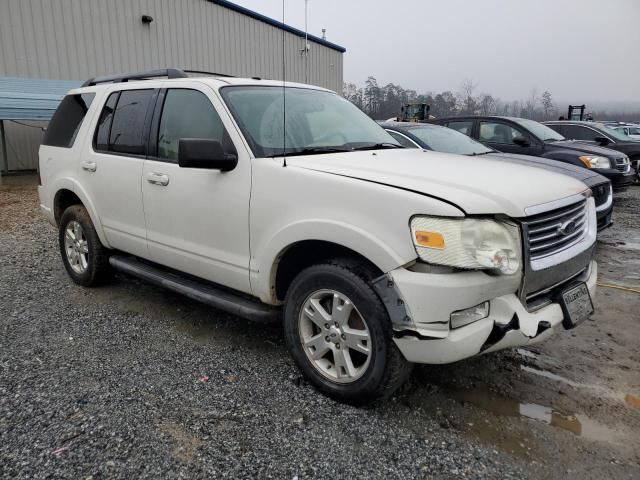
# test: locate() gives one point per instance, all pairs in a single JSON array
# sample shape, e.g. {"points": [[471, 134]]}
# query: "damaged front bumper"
{"points": [[420, 305]]}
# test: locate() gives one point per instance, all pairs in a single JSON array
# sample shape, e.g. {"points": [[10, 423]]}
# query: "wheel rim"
{"points": [[76, 247], [334, 336]]}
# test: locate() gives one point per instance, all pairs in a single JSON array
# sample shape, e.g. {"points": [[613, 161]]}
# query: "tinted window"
{"points": [[64, 125], [188, 114], [101, 140], [541, 131], [494, 132], [580, 133], [402, 140], [127, 126], [462, 126]]}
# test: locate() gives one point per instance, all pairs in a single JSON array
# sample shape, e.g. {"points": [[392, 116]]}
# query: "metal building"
{"points": [[78, 39]]}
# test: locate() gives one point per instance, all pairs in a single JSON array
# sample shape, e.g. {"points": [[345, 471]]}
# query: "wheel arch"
{"points": [[71, 193], [303, 244]]}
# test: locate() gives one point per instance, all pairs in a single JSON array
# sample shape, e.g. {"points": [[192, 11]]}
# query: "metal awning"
{"points": [[32, 98]]}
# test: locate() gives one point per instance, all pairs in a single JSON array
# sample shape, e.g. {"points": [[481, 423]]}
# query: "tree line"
{"points": [[383, 102]]}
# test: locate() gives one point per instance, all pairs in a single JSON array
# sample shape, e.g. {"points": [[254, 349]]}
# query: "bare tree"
{"points": [[467, 102], [547, 105]]}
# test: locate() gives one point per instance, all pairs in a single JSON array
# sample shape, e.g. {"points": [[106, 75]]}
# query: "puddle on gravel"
{"points": [[577, 424]]}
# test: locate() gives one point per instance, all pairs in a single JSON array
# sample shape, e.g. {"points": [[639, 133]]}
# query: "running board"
{"points": [[235, 304]]}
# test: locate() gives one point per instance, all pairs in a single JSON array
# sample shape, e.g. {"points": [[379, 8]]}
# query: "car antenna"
{"points": [[284, 100]]}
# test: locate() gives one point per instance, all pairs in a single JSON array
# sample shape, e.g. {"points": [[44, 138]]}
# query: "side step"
{"points": [[235, 304]]}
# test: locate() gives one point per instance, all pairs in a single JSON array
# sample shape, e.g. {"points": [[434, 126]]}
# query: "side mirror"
{"points": [[204, 153], [602, 140], [521, 141]]}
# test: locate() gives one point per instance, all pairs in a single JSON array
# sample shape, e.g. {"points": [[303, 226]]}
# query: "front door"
{"points": [[500, 136], [197, 219]]}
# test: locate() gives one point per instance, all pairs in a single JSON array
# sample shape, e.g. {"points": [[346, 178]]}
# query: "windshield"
{"points": [[541, 131], [316, 121], [442, 139], [617, 134]]}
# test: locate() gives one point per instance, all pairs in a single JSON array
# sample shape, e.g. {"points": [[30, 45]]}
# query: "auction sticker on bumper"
{"points": [[577, 305]]}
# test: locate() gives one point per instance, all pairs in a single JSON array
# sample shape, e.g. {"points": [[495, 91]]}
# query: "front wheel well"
{"points": [[304, 254], [64, 199]]}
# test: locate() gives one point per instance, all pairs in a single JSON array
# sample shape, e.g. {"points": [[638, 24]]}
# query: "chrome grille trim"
{"points": [[565, 249], [623, 164], [546, 238]]}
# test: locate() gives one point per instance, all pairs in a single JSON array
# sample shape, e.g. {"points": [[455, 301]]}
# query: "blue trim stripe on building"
{"points": [[275, 23], [32, 98]]}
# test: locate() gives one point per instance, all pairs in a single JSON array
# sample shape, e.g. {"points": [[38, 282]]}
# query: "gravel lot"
{"points": [[129, 381]]}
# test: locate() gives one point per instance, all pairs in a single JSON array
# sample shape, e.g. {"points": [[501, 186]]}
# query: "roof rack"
{"points": [[167, 72], [214, 74]]}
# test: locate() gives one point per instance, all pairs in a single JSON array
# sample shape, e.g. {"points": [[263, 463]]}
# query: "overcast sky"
{"points": [[579, 50]]}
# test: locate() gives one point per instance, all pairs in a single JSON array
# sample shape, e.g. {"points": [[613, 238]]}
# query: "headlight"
{"points": [[593, 161], [467, 243]]}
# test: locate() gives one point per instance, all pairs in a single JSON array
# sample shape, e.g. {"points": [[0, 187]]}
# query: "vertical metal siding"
{"points": [[75, 40]]}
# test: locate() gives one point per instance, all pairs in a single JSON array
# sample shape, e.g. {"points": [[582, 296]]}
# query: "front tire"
{"points": [[85, 258], [340, 334]]}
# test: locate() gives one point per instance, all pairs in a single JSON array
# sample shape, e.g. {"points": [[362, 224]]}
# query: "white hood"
{"points": [[478, 185]]}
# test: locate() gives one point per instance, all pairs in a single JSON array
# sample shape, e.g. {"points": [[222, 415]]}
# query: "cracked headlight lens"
{"points": [[471, 243]]}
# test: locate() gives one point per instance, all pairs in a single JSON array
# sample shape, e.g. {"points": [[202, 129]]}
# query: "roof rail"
{"points": [[167, 72], [215, 74]]}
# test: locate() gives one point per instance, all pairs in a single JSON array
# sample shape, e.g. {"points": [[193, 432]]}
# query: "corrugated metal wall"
{"points": [[78, 39]]}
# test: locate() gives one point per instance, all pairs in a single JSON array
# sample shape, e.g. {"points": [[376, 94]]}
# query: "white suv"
{"points": [[274, 200]]}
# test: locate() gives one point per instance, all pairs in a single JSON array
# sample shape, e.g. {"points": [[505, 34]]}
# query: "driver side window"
{"points": [[187, 114], [496, 132]]}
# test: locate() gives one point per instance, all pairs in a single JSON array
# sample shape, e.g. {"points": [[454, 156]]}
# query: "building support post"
{"points": [[5, 158]]}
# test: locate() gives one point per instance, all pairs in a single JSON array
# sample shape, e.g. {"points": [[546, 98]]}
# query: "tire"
{"points": [[365, 378], [84, 257]]}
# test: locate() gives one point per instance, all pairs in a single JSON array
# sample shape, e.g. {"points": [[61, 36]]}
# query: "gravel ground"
{"points": [[128, 381]]}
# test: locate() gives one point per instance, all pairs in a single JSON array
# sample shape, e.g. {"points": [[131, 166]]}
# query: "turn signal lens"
{"points": [[430, 239], [586, 161]]}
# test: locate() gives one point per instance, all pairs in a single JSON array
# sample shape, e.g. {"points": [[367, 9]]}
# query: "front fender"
{"points": [[364, 243]]}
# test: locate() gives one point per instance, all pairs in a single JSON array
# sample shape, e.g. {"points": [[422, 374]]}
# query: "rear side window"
{"points": [[121, 127], [461, 126], [64, 125]]}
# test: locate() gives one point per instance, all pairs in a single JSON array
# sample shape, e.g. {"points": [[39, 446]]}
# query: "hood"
{"points": [[584, 148], [588, 177], [477, 185]]}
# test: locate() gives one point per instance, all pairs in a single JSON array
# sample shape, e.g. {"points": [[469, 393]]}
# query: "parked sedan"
{"points": [[599, 133], [442, 139], [527, 137]]}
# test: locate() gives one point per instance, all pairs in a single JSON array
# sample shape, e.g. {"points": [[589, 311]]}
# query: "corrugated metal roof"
{"points": [[31, 98]]}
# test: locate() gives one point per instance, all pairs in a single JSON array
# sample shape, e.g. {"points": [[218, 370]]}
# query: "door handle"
{"points": [[158, 179], [89, 166]]}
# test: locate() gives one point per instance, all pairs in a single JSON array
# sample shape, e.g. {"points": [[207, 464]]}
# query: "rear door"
{"points": [[111, 167], [197, 219]]}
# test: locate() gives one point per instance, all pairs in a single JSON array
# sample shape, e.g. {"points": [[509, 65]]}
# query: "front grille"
{"points": [[601, 193], [623, 165], [550, 232]]}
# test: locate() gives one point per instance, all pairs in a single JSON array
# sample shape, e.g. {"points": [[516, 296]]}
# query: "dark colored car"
{"points": [[441, 139], [528, 137], [601, 134]]}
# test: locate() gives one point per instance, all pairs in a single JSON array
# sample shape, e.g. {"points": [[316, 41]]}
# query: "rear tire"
{"points": [[83, 255], [340, 334]]}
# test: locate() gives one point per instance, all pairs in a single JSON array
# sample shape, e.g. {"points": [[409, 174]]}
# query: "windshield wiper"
{"points": [[310, 151], [376, 146], [475, 154]]}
